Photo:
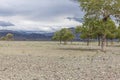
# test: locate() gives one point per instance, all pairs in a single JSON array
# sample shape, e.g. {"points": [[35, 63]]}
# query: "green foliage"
{"points": [[118, 33], [8, 37], [86, 29], [107, 28], [57, 36], [101, 8], [3, 38], [97, 14], [78, 29], [67, 35], [110, 29], [97, 17], [63, 35]]}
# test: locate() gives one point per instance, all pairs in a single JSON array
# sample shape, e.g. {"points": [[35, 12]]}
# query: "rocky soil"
{"points": [[101, 66]]}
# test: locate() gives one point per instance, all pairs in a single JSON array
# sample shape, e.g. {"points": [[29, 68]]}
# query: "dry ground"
{"points": [[27, 60]]}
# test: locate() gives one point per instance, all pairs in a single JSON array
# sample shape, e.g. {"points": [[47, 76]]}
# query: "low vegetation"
{"points": [[8, 37]]}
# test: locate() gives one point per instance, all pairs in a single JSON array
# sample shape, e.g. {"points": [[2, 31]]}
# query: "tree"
{"points": [[86, 30], [111, 30], [85, 33], [8, 37], [97, 30], [3, 38], [118, 33], [63, 35], [57, 36], [103, 10]]}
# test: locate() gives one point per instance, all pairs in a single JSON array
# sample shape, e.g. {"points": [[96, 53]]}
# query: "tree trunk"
{"points": [[103, 44], [88, 41], [99, 42]]}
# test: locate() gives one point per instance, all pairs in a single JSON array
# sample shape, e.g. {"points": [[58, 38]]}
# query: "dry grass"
{"points": [[46, 48]]}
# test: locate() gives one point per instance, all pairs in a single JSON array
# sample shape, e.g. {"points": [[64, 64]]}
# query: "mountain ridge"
{"points": [[28, 35], [34, 35]]}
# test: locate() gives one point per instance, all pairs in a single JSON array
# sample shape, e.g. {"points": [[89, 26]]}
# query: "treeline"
{"points": [[96, 29], [99, 20], [91, 30]]}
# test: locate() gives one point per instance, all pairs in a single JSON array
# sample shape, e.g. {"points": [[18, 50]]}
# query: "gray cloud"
{"points": [[6, 24], [35, 14], [39, 9], [75, 19]]}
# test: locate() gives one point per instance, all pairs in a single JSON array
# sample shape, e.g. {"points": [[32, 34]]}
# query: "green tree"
{"points": [[67, 35], [86, 30], [8, 37], [57, 36], [3, 38], [85, 33], [97, 30], [111, 30], [118, 33], [102, 9], [63, 35]]}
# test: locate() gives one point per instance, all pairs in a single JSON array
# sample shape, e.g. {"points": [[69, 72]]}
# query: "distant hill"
{"points": [[28, 35]]}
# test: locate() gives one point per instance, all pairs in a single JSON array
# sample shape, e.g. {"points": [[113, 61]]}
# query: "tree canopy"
{"points": [[8, 37], [101, 9], [63, 35], [100, 15]]}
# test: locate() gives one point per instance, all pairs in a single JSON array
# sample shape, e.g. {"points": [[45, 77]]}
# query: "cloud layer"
{"points": [[6, 24], [40, 15]]}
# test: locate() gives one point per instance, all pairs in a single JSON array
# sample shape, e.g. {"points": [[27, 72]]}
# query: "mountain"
{"points": [[34, 35], [28, 35]]}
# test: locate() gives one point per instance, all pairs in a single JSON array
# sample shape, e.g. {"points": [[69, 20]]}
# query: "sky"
{"points": [[39, 15]]}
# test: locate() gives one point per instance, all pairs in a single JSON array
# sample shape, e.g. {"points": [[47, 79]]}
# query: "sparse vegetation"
{"points": [[27, 60], [8, 37]]}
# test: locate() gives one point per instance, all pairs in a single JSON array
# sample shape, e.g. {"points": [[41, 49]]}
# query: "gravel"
{"points": [[102, 66]]}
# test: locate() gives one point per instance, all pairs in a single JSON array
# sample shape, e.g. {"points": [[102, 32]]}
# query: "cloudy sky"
{"points": [[39, 15]]}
